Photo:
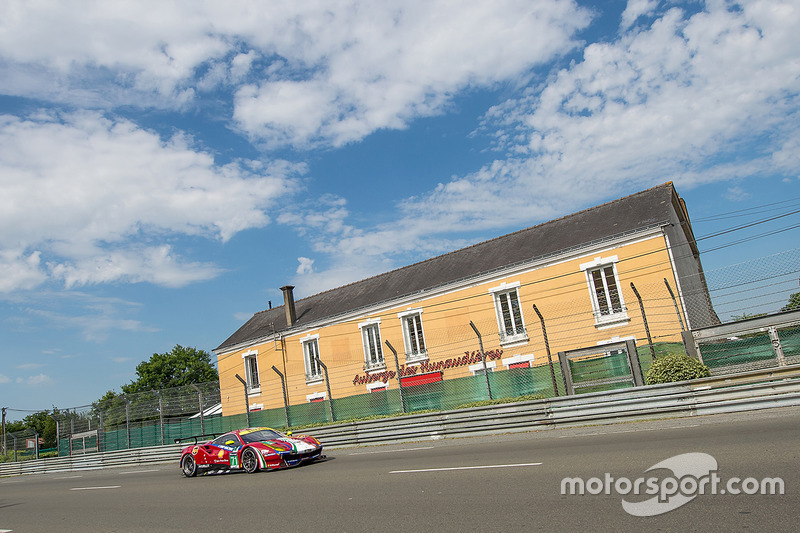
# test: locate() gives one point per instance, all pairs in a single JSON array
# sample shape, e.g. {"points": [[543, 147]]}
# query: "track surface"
{"points": [[501, 483]]}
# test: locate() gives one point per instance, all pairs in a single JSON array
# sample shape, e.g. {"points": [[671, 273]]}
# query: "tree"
{"points": [[182, 366], [794, 303], [39, 422]]}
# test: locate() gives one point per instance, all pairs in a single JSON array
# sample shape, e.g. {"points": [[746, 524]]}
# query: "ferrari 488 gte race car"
{"points": [[251, 450]]}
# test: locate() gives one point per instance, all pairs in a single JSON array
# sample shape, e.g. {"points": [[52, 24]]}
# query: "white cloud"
{"points": [[4, 379], [736, 194], [30, 366], [83, 214], [20, 271], [39, 379], [304, 72], [306, 265], [689, 97], [636, 9]]}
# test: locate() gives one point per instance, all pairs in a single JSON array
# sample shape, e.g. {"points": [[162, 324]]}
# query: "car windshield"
{"points": [[260, 435]]}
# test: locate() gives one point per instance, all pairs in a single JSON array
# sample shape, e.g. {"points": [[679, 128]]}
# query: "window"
{"points": [[311, 358], [226, 439], [413, 338], [509, 313], [251, 371], [371, 336], [607, 302]]}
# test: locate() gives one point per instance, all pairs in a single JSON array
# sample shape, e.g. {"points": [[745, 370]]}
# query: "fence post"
{"points": [[547, 349], [160, 414], [646, 327], [71, 432], [127, 423], [483, 359], [202, 409], [246, 399], [399, 379], [776, 346], [101, 432], [675, 303], [285, 396], [328, 387]]}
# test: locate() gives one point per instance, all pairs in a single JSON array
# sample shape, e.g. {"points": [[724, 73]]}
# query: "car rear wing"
{"points": [[195, 437]]}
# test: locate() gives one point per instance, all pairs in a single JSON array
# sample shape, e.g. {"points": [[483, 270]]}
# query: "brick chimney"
{"points": [[288, 303]]}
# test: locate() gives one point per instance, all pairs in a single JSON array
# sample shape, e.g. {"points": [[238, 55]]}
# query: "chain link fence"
{"points": [[655, 315]]}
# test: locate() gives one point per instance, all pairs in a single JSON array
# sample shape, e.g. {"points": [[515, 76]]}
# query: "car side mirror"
{"points": [[288, 433], [229, 443]]}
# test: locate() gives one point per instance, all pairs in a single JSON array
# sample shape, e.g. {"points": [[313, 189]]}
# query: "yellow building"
{"points": [[562, 285]]}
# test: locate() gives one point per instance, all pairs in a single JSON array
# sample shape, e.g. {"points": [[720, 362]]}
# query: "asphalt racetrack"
{"points": [[507, 482]]}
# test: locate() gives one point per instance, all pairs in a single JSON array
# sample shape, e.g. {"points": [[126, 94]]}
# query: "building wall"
{"points": [[557, 286]]}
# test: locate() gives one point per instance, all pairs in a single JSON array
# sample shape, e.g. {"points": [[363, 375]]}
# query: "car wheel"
{"points": [[189, 466], [249, 461]]}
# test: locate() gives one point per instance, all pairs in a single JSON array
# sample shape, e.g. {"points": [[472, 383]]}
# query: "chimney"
{"points": [[288, 302]]}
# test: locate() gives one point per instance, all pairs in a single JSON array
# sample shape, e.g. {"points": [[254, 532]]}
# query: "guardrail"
{"points": [[779, 387]]}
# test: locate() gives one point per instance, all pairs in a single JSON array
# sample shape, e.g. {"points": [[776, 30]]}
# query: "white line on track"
{"points": [[139, 471], [462, 468], [68, 477], [6, 531], [393, 451], [96, 488]]}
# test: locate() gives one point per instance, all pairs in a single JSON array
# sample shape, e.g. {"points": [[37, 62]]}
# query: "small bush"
{"points": [[676, 367]]}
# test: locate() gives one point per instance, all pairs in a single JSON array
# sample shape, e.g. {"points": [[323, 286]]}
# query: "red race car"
{"points": [[251, 450]]}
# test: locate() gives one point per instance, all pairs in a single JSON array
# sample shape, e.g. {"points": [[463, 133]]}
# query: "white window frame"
{"points": [[607, 313], [313, 368], [502, 294], [477, 369], [414, 353], [253, 386], [377, 385], [371, 341], [316, 396], [522, 358]]}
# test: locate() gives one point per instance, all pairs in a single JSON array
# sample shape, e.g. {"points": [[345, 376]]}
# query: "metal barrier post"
{"points": [[675, 302], [202, 410], [646, 327], [547, 349], [399, 379], [328, 387], [246, 399], [776, 346], [127, 424], [160, 414], [483, 359], [285, 396]]}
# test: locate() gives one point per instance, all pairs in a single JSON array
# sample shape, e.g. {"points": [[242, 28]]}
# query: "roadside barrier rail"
{"points": [[763, 389]]}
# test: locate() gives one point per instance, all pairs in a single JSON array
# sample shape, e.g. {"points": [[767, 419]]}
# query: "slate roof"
{"points": [[635, 212]]}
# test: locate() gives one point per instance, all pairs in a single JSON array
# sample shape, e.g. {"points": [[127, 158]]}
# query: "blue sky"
{"points": [[166, 167]]}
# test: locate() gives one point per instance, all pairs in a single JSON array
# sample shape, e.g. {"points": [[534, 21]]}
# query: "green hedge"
{"points": [[676, 367]]}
